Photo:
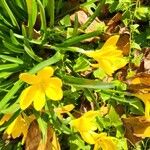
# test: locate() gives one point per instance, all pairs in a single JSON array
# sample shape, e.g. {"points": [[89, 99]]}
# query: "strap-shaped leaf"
{"points": [[31, 53], [11, 59], [86, 83], [11, 15], [8, 66], [32, 14], [12, 47], [42, 15]]}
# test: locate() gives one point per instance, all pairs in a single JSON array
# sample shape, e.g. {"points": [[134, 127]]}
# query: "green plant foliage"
{"points": [[40, 38]]}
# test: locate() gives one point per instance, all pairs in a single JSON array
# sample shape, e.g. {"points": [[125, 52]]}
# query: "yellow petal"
{"points": [[10, 128], [55, 142], [27, 97], [24, 132], [147, 109], [91, 114], [17, 129], [65, 108], [54, 93], [52, 88], [14, 128], [88, 137], [55, 81], [29, 78], [118, 63], [84, 124], [93, 54], [112, 41], [45, 72], [105, 142], [106, 66], [39, 100], [143, 96]]}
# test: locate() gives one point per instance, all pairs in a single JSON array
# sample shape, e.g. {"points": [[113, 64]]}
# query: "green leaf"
{"points": [[13, 48], [32, 14], [31, 53], [66, 21], [8, 66], [81, 65], [142, 13], [13, 38], [89, 95], [42, 15], [43, 127], [10, 94], [10, 13], [89, 5], [76, 143], [11, 59], [123, 5], [51, 12], [135, 45], [11, 109], [122, 144], [116, 121], [100, 74], [85, 83], [79, 38], [94, 15], [136, 106], [5, 74]]}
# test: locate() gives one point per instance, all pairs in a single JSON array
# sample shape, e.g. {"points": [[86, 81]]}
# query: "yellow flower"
{"points": [[64, 109], [86, 125], [19, 126], [145, 97], [41, 84], [105, 142], [109, 57]]}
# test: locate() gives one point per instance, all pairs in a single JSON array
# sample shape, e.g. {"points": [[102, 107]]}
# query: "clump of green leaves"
{"points": [[35, 34]]}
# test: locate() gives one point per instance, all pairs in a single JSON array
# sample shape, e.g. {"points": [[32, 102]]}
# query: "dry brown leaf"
{"points": [[35, 34], [120, 109], [139, 83], [115, 19], [124, 43], [113, 23], [146, 60], [129, 124], [34, 139], [136, 128]]}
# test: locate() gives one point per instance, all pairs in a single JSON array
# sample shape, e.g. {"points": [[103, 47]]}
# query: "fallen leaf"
{"points": [[115, 19], [129, 125], [113, 22], [124, 43], [139, 83], [34, 139], [137, 128]]}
